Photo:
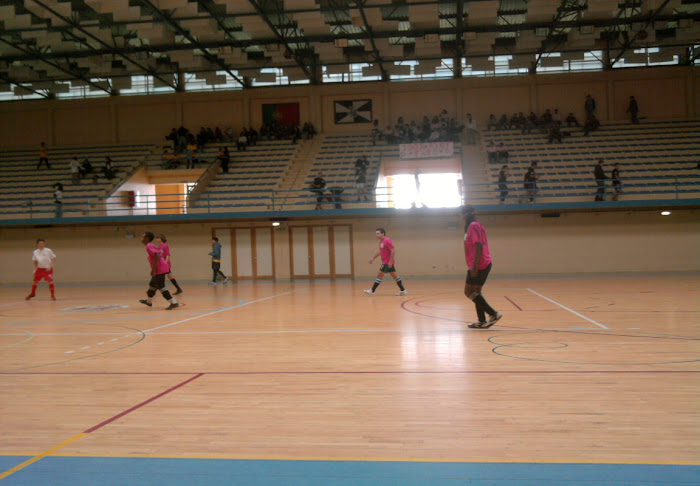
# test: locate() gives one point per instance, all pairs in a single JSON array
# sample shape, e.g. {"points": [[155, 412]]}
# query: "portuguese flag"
{"points": [[282, 113]]}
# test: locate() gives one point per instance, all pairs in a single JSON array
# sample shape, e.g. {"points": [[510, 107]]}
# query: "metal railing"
{"points": [[338, 198]]}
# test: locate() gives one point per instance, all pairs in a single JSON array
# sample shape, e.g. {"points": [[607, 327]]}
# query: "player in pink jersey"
{"points": [[478, 257], [165, 253], [159, 268], [387, 250]]}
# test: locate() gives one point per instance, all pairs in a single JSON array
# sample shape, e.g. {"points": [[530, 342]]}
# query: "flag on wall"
{"points": [[353, 111], [282, 113]]}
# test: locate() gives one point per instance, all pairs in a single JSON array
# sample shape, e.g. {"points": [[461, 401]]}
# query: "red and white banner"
{"points": [[426, 150]]}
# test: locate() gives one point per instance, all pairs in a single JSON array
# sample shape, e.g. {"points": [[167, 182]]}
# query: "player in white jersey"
{"points": [[44, 260]]}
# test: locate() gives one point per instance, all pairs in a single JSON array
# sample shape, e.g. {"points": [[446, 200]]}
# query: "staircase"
{"points": [[296, 173]]}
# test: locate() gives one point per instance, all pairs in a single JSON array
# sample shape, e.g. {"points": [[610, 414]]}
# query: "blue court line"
{"points": [[116, 471]]}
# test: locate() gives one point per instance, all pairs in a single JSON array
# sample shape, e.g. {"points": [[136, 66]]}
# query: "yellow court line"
{"points": [[40, 456]]}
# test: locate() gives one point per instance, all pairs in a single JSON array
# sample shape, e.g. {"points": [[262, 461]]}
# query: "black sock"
{"points": [[376, 284], [480, 313], [400, 284], [166, 294], [481, 302], [174, 282], [213, 279], [150, 293]]}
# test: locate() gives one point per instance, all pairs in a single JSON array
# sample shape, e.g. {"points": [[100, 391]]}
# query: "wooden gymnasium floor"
{"points": [[584, 381]]}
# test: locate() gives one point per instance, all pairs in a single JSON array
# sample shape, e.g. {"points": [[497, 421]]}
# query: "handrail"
{"points": [[380, 197], [202, 183], [133, 171]]}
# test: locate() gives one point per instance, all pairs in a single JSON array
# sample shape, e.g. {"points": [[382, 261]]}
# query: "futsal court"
{"points": [[589, 380]]}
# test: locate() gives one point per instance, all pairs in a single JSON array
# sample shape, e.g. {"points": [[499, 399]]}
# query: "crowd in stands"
{"points": [[187, 147], [438, 128]]}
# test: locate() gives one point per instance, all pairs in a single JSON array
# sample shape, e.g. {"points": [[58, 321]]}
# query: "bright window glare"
{"points": [[426, 190]]}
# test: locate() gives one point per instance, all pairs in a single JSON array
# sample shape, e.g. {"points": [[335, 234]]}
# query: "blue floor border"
{"points": [[117, 471]]}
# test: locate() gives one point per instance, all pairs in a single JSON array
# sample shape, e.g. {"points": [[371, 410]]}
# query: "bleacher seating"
{"points": [[26, 191], [656, 158], [253, 175]]}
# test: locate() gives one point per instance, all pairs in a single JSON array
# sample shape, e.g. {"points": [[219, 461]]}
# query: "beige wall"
{"points": [[86, 125], [668, 92], [427, 246]]}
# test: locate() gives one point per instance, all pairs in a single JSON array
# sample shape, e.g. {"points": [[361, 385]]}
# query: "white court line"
{"points": [[11, 303], [216, 311], [570, 310]]}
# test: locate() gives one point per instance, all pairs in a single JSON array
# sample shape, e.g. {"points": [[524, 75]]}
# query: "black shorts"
{"points": [[157, 281], [480, 278], [386, 268]]}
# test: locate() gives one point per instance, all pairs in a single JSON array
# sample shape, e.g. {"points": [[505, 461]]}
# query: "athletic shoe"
{"points": [[30, 296], [368, 292], [145, 302], [403, 292], [494, 318], [179, 291], [212, 283], [53, 297], [172, 306], [479, 325], [226, 280]]}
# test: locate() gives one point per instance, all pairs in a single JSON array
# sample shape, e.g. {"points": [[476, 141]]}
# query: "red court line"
{"points": [[516, 305], [116, 417]]}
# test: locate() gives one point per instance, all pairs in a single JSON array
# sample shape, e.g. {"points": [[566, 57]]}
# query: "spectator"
{"points": [[224, 158], [472, 132], [173, 137], [502, 153], [252, 136], [229, 134], [530, 181], [589, 106], [375, 131], [192, 156], [318, 185], [514, 121], [503, 122], [492, 151], [75, 170], [492, 123], [360, 182], [86, 168], [546, 120], [218, 136], [571, 120], [43, 157], [592, 124], [309, 131], [503, 182], [169, 161], [58, 199], [616, 183], [556, 116], [633, 110], [108, 169], [554, 133], [242, 142], [600, 177]]}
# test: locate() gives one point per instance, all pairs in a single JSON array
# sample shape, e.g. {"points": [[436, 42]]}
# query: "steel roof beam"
{"points": [[194, 42], [115, 50]]}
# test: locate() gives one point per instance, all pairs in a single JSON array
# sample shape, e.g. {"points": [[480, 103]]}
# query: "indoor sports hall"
{"points": [[234, 238]]}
